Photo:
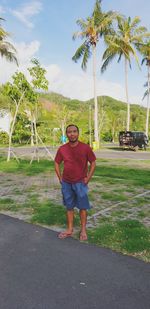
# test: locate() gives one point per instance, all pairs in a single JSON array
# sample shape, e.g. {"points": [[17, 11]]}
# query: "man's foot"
{"points": [[83, 236], [65, 234]]}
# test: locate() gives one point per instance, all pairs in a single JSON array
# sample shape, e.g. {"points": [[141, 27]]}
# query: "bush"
{"points": [[4, 138]]}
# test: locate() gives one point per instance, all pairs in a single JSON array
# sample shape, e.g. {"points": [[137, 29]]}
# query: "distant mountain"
{"points": [[58, 111]]}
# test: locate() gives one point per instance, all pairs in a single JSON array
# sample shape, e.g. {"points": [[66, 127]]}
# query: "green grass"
{"points": [[7, 204], [127, 236], [51, 214], [25, 168], [138, 177], [114, 197]]}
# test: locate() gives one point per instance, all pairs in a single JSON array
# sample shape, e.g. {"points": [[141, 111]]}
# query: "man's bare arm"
{"points": [[91, 172], [58, 172]]}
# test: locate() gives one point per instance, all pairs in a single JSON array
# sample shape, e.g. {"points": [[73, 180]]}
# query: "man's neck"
{"points": [[73, 144]]}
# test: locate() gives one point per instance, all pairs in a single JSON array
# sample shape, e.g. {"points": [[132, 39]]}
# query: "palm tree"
{"points": [[7, 50], [123, 42], [92, 29], [144, 49]]}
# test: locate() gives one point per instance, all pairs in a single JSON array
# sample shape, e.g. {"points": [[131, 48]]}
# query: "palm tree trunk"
{"points": [[127, 96], [148, 95], [96, 135], [90, 127]]}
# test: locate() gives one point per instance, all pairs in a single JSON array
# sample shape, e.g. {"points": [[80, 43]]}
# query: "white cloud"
{"points": [[80, 86], [75, 86], [27, 11]]}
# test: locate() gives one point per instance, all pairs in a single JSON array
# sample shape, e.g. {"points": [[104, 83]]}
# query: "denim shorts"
{"points": [[75, 195]]}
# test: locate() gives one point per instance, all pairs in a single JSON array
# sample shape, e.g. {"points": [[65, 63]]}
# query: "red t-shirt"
{"points": [[75, 161]]}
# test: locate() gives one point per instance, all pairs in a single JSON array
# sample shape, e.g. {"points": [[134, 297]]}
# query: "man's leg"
{"points": [[70, 218], [69, 230], [83, 218], [69, 202]]}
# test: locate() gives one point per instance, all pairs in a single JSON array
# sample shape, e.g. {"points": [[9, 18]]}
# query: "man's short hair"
{"points": [[72, 125]]}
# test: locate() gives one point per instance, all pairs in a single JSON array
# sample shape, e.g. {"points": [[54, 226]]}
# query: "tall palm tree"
{"points": [[92, 29], [7, 50], [123, 42], [144, 49]]}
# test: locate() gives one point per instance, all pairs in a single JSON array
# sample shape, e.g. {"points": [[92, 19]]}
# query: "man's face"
{"points": [[72, 134]]}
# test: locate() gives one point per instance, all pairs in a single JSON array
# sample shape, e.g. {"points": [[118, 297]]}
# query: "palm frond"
{"points": [[135, 22], [86, 56], [82, 23], [145, 94], [80, 52], [143, 60], [107, 62], [79, 34]]}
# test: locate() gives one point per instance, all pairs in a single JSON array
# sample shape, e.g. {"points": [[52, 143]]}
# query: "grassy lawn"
{"points": [[24, 166], [119, 193]]}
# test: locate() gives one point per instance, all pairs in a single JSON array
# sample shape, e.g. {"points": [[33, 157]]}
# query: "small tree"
{"points": [[17, 92], [39, 82]]}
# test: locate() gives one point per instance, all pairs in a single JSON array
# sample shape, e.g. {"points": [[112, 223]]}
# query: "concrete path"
{"points": [[40, 271]]}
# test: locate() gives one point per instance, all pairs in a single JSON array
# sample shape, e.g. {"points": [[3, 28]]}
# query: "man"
{"points": [[75, 156]]}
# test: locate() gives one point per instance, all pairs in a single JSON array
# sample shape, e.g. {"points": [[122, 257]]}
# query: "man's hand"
{"points": [[86, 180], [91, 172]]}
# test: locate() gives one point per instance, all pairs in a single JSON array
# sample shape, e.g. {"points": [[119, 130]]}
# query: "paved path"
{"points": [[27, 152], [39, 271]]}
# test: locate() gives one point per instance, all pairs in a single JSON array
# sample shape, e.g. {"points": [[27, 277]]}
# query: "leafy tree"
{"points": [[4, 138], [123, 43], [17, 92], [38, 82], [21, 133], [7, 50], [92, 29]]}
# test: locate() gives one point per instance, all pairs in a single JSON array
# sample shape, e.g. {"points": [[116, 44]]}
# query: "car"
{"points": [[133, 140]]}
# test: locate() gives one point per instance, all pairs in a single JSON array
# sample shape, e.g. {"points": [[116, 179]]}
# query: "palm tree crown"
{"points": [[123, 42], [92, 28], [7, 50]]}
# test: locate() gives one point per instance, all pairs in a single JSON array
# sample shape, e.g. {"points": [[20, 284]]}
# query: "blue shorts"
{"points": [[75, 195]]}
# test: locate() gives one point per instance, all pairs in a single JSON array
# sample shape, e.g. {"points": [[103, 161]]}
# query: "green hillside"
{"points": [[55, 112], [58, 111]]}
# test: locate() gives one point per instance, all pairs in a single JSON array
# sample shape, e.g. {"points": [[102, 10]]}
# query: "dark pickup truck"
{"points": [[133, 140]]}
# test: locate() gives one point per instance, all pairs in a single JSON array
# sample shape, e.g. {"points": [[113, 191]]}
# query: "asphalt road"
{"points": [[28, 152], [40, 271]]}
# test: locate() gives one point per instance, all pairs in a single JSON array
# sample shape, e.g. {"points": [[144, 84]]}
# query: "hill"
{"points": [[58, 111]]}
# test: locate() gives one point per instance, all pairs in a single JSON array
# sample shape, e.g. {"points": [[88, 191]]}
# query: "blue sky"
{"points": [[44, 28]]}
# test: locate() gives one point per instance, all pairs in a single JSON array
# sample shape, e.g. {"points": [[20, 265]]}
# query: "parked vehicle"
{"points": [[133, 140]]}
